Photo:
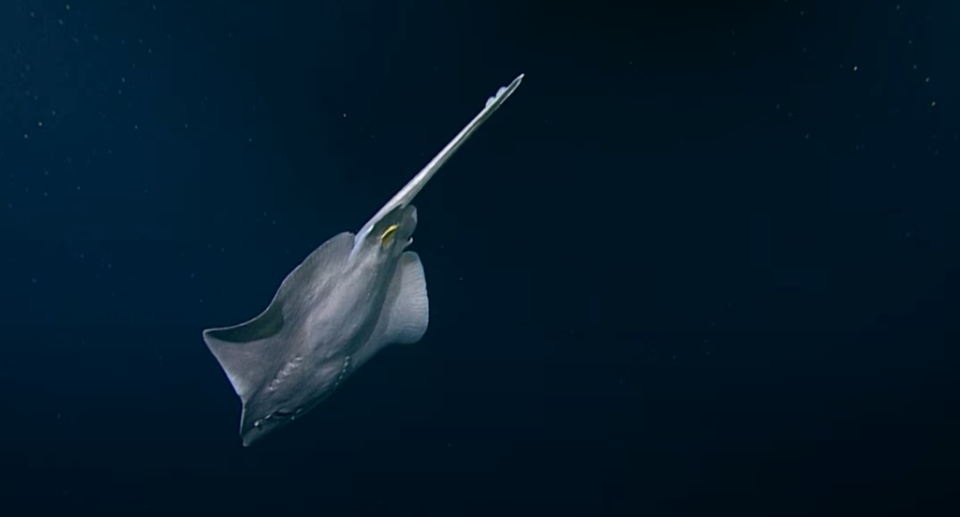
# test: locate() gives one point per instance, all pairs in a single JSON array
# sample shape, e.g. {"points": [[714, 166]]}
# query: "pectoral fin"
{"points": [[406, 310], [409, 311], [243, 350], [246, 351]]}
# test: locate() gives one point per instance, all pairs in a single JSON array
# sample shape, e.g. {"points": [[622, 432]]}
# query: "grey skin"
{"points": [[352, 296]]}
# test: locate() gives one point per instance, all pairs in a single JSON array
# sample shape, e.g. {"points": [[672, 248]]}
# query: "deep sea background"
{"points": [[703, 262]]}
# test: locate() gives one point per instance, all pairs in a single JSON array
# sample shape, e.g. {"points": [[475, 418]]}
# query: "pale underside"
{"points": [[352, 296]]}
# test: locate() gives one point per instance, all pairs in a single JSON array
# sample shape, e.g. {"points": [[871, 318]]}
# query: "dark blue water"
{"points": [[703, 262]]}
